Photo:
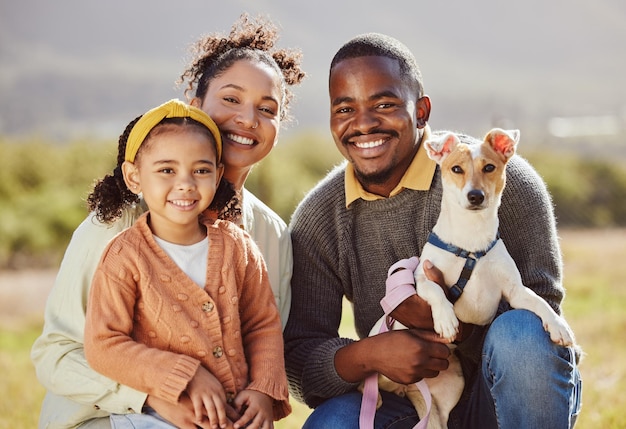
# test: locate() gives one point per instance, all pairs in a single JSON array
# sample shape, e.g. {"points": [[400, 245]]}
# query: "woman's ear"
{"points": [[131, 177], [196, 102]]}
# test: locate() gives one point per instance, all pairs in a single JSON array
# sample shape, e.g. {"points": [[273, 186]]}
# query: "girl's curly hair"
{"points": [[110, 195], [249, 39]]}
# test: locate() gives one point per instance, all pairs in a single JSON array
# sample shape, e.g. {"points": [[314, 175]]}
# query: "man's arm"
{"points": [[410, 355], [319, 364]]}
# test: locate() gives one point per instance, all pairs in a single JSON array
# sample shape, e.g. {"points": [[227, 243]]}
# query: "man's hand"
{"points": [[415, 312], [405, 356]]}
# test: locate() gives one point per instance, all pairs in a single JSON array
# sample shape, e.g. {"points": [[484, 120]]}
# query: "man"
{"points": [[378, 208]]}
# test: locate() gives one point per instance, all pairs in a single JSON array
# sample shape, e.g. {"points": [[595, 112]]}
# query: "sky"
{"points": [[69, 62]]}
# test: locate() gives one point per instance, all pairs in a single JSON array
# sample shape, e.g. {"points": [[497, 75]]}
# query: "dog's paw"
{"points": [[560, 332], [445, 322]]}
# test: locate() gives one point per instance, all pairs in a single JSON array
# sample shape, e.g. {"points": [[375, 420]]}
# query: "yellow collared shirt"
{"points": [[418, 176]]}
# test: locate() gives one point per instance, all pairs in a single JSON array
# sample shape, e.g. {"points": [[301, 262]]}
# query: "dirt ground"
{"points": [[23, 295]]}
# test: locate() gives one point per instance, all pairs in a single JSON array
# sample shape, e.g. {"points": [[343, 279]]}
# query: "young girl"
{"points": [[243, 82], [180, 302]]}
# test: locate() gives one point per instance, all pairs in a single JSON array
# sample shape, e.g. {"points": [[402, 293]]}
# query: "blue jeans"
{"points": [[148, 419], [525, 381]]}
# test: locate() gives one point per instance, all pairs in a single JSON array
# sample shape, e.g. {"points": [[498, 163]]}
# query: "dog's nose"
{"points": [[476, 197]]}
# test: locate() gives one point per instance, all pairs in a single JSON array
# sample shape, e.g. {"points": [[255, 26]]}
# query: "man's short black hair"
{"points": [[381, 45]]}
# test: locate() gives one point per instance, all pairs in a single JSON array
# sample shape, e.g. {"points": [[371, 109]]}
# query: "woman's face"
{"points": [[245, 102]]}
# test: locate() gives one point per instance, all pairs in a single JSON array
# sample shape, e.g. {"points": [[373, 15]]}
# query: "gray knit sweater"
{"points": [[341, 251]]}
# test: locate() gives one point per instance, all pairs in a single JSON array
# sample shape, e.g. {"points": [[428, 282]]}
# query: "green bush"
{"points": [[283, 178], [43, 187], [586, 192]]}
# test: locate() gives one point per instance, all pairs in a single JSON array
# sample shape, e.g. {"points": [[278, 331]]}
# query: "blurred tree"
{"points": [[43, 188], [293, 167]]}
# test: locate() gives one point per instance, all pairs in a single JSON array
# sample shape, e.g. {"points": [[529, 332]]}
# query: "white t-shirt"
{"points": [[192, 259]]}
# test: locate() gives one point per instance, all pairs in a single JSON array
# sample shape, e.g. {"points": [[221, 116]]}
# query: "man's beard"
{"points": [[376, 178]]}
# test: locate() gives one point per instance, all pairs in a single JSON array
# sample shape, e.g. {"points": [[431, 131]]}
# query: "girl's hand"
{"points": [[208, 398], [256, 410]]}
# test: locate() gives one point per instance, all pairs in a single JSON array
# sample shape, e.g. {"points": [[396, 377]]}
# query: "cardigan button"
{"points": [[207, 307], [218, 352]]}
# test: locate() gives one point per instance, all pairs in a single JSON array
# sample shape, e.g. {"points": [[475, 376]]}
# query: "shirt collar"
{"points": [[418, 176]]}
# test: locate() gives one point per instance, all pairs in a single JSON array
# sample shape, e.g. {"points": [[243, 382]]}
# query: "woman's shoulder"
{"points": [[94, 234], [259, 219]]}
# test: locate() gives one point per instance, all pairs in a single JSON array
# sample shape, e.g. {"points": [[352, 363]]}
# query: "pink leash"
{"points": [[400, 285]]}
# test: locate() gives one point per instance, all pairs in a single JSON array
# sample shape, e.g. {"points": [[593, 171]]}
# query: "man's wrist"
{"points": [[400, 285]]}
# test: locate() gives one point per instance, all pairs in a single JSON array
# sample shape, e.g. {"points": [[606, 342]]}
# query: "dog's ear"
{"points": [[503, 142], [439, 147]]}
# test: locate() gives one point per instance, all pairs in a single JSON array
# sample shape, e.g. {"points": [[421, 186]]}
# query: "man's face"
{"points": [[374, 119]]}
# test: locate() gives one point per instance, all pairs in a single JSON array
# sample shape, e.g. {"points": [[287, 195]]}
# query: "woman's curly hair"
{"points": [[249, 39], [110, 195]]}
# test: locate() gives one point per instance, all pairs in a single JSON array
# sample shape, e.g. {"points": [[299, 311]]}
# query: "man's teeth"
{"points": [[240, 139], [369, 145]]}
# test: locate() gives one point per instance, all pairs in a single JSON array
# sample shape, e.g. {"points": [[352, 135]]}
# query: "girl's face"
{"points": [[245, 102], [177, 185]]}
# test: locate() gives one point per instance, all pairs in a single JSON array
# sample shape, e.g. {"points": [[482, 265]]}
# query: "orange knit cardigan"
{"points": [[149, 326]]}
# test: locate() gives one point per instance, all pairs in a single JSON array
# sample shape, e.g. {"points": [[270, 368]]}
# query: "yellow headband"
{"points": [[172, 109]]}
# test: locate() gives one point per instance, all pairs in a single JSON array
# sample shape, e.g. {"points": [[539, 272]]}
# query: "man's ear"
{"points": [[422, 111], [131, 177]]}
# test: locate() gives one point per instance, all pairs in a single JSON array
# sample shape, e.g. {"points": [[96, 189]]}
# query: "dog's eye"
{"points": [[489, 168], [457, 169]]}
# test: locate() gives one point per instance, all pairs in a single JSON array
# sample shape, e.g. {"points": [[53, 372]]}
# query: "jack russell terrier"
{"points": [[465, 240]]}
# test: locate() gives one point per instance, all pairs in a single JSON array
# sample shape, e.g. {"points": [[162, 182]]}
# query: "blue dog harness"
{"points": [[470, 262]]}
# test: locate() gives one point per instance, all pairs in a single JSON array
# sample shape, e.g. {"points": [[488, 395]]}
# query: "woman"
{"points": [[242, 82]]}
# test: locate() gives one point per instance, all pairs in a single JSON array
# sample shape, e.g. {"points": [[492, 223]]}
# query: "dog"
{"points": [[473, 178]]}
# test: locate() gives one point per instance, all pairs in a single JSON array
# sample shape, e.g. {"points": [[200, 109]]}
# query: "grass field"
{"points": [[595, 278]]}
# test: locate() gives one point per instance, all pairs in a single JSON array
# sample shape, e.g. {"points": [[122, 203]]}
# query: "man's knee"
{"points": [[517, 340], [517, 329], [338, 412]]}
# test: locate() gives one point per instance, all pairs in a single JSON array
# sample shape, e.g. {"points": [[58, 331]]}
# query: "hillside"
{"points": [[73, 67]]}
